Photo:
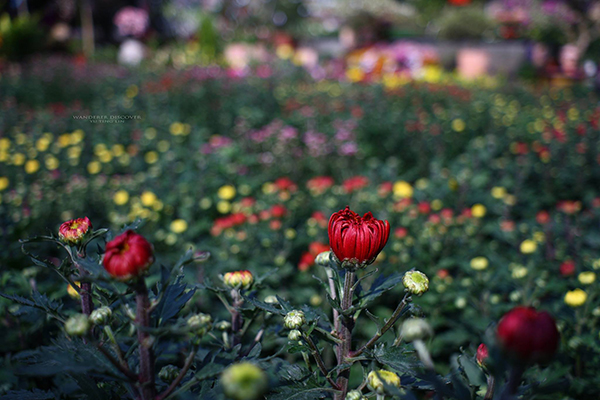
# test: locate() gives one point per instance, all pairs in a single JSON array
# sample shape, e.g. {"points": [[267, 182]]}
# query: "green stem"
{"points": [[146, 377], [347, 324]]}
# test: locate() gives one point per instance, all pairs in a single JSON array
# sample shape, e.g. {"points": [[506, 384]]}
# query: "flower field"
{"points": [[490, 191]]}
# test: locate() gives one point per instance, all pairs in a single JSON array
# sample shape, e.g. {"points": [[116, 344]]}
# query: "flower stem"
{"points": [[390, 322], [236, 317], [491, 383], [317, 356], [514, 380], [347, 324], [146, 377], [177, 381]]}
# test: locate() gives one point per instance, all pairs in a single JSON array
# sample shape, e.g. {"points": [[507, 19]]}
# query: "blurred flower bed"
{"points": [[492, 193]]}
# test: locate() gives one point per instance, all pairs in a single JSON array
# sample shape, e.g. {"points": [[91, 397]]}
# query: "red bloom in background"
{"points": [[355, 183], [424, 207], [385, 189], [527, 335], [567, 268], [278, 211], [569, 206], [459, 2], [356, 241], [73, 231], [285, 183], [400, 232], [307, 259], [542, 217], [319, 184], [128, 255]]}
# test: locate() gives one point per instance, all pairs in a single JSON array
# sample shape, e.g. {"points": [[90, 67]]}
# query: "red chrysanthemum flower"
{"points": [[128, 255], [356, 241], [72, 232], [527, 335]]}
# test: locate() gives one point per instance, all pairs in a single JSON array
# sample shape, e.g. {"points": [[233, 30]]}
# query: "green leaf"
{"points": [[381, 285], [35, 394]]}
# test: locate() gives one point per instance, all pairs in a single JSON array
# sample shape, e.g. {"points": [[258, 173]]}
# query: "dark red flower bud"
{"points": [[128, 255], [356, 241], [527, 335], [482, 354]]}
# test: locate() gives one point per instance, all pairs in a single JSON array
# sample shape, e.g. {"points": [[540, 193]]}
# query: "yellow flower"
{"points": [[94, 167], [32, 166], [179, 226], [4, 144], [458, 125], [284, 51], [575, 298], [148, 198], [42, 143], [478, 210], [587, 278], [436, 205], [226, 192], [355, 74], [403, 189], [479, 263], [528, 246], [498, 192], [539, 237], [132, 91], [176, 128], [3, 183], [121, 197], [18, 159], [519, 272], [374, 380], [51, 162], [151, 157], [223, 207], [118, 150]]}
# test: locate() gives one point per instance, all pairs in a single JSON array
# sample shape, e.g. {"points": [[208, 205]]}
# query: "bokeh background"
{"points": [[238, 127]]}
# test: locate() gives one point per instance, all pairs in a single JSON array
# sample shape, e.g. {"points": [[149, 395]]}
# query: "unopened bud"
{"points": [[355, 395], [200, 324], [323, 259], [415, 282], [238, 279], [482, 355], [416, 329], [294, 335], [376, 380], [271, 299], [101, 316], [77, 325], [294, 319], [223, 326], [168, 373], [244, 381], [73, 232]]}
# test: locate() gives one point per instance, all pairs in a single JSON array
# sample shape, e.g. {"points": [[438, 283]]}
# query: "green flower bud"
{"points": [[355, 395], [77, 325], [294, 335], [200, 323], [168, 373], [375, 380], [415, 282], [323, 259], [294, 319], [101, 316], [416, 329], [271, 300], [223, 326], [244, 381]]}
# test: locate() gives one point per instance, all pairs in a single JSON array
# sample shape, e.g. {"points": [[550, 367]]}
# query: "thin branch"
{"points": [[390, 322], [177, 381], [125, 370], [319, 360]]}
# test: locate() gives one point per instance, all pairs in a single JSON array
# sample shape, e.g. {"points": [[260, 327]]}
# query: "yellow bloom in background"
{"points": [[458, 125], [223, 207], [42, 143], [575, 298], [226, 192], [51, 162], [121, 197], [18, 158], [4, 144], [479, 263], [179, 226], [148, 198], [64, 140], [528, 246], [284, 51], [587, 278], [519, 272], [498, 192], [176, 128], [3, 182], [76, 137], [422, 183], [403, 189], [151, 157], [355, 74], [94, 167], [32, 166], [118, 150], [436, 205], [132, 91], [539, 237], [268, 188], [478, 210]]}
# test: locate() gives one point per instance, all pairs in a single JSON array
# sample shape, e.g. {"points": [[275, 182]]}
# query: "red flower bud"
{"points": [[356, 241], [128, 255], [238, 279], [73, 231], [527, 335], [482, 354]]}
